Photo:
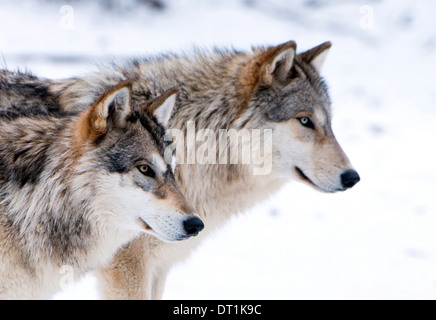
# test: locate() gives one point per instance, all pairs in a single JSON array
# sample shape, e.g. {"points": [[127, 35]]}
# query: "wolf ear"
{"points": [[276, 63], [110, 111], [162, 107], [316, 56]]}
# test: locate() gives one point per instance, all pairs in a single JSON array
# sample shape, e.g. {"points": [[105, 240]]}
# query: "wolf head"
{"points": [[134, 185], [291, 95]]}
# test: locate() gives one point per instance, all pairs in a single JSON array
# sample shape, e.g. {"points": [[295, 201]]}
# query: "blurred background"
{"points": [[376, 241]]}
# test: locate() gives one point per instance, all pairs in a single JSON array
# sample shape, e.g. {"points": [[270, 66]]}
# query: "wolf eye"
{"points": [[146, 170], [305, 121]]}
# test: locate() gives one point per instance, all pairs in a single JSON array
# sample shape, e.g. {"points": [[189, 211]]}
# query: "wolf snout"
{"points": [[349, 179], [193, 226]]}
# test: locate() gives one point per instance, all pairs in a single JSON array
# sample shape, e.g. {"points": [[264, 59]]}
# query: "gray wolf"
{"points": [[75, 187], [266, 88]]}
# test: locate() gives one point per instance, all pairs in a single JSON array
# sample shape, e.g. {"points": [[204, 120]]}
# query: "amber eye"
{"points": [[146, 170], [143, 168]]}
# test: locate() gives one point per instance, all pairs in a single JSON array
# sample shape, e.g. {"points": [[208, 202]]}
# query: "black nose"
{"points": [[349, 178], [193, 226]]}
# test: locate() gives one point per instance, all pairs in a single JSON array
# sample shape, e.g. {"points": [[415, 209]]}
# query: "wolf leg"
{"points": [[159, 281], [128, 276]]}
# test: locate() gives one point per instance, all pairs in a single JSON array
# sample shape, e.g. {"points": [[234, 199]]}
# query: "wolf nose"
{"points": [[193, 226], [349, 178]]}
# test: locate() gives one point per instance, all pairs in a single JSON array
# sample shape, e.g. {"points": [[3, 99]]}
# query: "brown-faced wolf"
{"points": [[267, 88], [75, 187]]}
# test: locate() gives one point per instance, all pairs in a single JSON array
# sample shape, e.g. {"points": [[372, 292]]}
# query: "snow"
{"points": [[376, 241]]}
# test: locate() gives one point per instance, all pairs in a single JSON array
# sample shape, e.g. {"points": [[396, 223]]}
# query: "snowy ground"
{"points": [[376, 241]]}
